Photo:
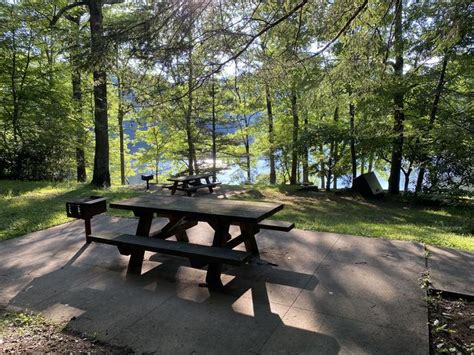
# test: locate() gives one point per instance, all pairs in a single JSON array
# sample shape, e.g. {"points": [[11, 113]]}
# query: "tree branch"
{"points": [[65, 9], [342, 30], [259, 33]]}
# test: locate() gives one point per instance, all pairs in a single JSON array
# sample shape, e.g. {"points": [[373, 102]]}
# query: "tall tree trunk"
{"points": [[330, 164], [189, 134], [334, 153], [80, 135], [371, 162], [321, 164], [407, 179], [120, 116], [214, 147], [101, 175], [157, 168], [271, 135], [398, 101], [352, 143], [77, 101], [294, 147], [247, 154], [305, 153], [434, 111]]}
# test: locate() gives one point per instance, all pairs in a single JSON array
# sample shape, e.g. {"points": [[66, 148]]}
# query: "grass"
{"points": [[31, 206], [27, 206], [390, 218]]}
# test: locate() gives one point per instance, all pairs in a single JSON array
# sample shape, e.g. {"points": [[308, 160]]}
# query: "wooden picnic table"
{"points": [[191, 183], [184, 213]]}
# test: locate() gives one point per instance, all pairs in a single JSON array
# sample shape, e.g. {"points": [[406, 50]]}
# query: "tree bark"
{"points": [[101, 175], [321, 163], [398, 100], [80, 143], [294, 147], [271, 135], [371, 162], [120, 116], [407, 179], [434, 111], [352, 142], [305, 153], [189, 134], [334, 156], [330, 164], [214, 147], [247, 154], [76, 80]]}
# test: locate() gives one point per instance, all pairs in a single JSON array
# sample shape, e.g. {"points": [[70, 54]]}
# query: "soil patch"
{"points": [[451, 323], [24, 332]]}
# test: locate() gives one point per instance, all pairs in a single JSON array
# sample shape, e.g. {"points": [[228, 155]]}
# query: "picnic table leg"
{"points": [[181, 235], [143, 229], [249, 230], [213, 277], [87, 223], [185, 188], [210, 187], [175, 186]]}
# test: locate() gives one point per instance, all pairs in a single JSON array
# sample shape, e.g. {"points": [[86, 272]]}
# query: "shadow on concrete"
{"points": [[164, 311]]}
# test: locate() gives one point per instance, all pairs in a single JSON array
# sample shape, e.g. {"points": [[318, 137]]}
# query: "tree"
{"points": [[398, 102], [101, 174]]}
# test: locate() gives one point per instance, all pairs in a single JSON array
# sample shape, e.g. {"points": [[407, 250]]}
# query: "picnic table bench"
{"points": [[191, 183], [184, 213]]}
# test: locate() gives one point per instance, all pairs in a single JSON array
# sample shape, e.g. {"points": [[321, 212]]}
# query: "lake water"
{"points": [[235, 175]]}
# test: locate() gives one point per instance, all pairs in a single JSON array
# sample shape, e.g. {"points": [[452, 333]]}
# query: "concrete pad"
{"points": [[363, 293], [378, 252], [61, 241], [362, 338], [103, 306], [451, 270], [13, 268], [46, 287], [309, 292], [264, 282], [361, 279], [297, 241], [314, 333], [10, 288], [218, 325], [300, 333]]}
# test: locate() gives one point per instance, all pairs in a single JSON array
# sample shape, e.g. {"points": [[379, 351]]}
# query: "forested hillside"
{"points": [[318, 89]]}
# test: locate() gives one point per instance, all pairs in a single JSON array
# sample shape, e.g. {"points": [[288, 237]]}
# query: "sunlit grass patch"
{"points": [[27, 206], [388, 218], [32, 206]]}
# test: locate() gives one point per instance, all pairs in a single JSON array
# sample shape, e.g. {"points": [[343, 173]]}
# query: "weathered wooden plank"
{"points": [[190, 177], [202, 252], [233, 211], [276, 225]]}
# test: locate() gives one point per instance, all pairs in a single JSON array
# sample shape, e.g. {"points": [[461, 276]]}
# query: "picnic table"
{"points": [[184, 213], [191, 183]]}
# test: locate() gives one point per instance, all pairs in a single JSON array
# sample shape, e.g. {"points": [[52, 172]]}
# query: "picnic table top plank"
{"points": [[201, 209], [190, 177]]}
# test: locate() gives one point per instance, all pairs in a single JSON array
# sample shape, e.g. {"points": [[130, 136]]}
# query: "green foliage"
{"points": [[172, 70]]}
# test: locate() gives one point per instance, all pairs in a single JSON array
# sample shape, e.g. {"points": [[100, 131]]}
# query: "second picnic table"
{"points": [[191, 183]]}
